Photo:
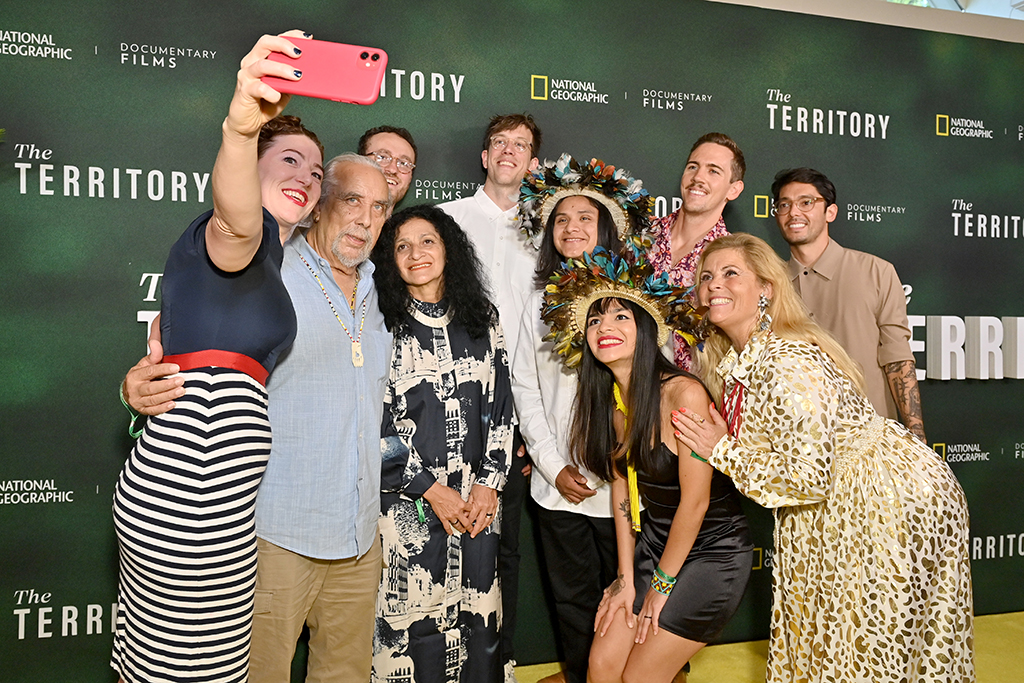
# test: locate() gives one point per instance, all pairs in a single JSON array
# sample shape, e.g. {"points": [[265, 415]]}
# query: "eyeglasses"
{"points": [[384, 158], [804, 204], [498, 144]]}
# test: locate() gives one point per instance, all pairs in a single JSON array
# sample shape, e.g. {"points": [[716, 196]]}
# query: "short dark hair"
{"points": [[505, 122], [285, 124], [804, 175], [548, 258], [464, 286], [739, 166], [364, 141]]}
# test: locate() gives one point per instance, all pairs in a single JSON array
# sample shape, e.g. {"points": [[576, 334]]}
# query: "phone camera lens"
{"points": [[364, 55], [376, 57]]}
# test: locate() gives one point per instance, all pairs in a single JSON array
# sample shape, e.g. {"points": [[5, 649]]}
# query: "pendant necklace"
{"points": [[357, 346]]}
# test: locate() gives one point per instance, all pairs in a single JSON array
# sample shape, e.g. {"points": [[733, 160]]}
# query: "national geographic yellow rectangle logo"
{"points": [[538, 83], [762, 206], [942, 124], [940, 449], [758, 558]]}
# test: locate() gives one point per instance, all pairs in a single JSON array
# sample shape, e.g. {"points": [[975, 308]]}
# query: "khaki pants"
{"points": [[336, 598]]}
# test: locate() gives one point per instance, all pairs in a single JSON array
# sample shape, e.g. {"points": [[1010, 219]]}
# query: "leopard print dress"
{"points": [[872, 579]]}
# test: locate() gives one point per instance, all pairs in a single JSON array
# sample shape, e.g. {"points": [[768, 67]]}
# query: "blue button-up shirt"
{"points": [[320, 495]]}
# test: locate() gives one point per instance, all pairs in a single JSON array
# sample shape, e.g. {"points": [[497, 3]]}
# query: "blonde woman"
{"points": [[871, 574]]}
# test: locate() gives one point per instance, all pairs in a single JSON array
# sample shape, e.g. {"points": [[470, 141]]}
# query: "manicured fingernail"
{"points": [[308, 35], [678, 434], [298, 74], [297, 51]]}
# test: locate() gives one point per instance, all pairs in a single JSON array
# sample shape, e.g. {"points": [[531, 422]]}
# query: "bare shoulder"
{"points": [[685, 392]]}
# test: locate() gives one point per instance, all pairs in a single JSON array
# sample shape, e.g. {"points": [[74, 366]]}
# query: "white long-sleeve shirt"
{"points": [[544, 391], [508, 260]]}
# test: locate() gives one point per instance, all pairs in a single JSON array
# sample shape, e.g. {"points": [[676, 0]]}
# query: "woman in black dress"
{"points": [[684, 561]]}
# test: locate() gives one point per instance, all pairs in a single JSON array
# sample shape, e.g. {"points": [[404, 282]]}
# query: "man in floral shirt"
{"points": [[712, 177]]}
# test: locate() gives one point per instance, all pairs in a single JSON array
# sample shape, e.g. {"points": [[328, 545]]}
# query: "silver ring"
{"points": [[490, 514]]}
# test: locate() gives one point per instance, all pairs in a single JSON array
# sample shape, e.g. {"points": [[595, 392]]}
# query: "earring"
{"points": [[702, 330], [762, 308]]}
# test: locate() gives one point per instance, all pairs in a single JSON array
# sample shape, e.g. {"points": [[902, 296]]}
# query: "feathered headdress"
{"points": [[598, 275], [623, 195]]}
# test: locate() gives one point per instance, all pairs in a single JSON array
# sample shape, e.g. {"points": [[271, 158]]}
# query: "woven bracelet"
{"points": [[662, 582]]}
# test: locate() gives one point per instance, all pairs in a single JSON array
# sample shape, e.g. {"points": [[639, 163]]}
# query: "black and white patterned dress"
{"points": [[447, 418], [184, 505]]}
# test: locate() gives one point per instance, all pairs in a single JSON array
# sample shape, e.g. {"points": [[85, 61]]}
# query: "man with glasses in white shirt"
{"points": [[510, 147], [857, 297], [394, 150]]}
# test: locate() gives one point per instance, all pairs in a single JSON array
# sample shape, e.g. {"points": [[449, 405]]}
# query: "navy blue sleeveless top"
{"points": [[203, 307]]}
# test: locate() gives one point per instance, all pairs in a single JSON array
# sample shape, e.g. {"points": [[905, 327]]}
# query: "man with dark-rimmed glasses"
{"points": [[394, 150], [857, 297]]}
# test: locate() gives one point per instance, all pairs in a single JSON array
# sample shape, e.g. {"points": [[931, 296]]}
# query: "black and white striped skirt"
{"points": [[184, 510]]}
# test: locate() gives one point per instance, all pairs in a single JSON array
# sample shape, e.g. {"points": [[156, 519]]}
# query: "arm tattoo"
{"points": [[902, 378], [624, 507]]}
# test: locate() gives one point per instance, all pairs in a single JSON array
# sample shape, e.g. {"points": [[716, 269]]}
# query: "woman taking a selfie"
{"points": [[184, 503]]}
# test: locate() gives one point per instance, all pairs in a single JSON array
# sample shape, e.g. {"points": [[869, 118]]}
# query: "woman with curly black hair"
{"points": [[446, 446]]}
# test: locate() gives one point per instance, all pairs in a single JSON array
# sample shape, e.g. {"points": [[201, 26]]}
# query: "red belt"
{"points": [[216, 358]]}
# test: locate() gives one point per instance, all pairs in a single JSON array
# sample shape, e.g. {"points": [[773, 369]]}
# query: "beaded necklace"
{"points": [[634, 491], [357, 346], [355, 288]]}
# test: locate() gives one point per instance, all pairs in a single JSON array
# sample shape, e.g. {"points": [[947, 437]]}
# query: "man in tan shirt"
{"points": [[857, 297]]}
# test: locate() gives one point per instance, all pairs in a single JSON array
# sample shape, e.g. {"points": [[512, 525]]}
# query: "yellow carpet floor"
{"points": [[998, 641]]}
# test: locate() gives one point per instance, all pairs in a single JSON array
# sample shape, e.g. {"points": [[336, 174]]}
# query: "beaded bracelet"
{"points": [[132, 431], [662, 582]]}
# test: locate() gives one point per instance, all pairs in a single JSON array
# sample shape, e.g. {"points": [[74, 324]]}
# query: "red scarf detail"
{"points": [[732, 408]]}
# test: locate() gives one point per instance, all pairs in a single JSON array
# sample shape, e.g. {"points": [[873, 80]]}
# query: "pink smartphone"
{"points": [[333, 71]]}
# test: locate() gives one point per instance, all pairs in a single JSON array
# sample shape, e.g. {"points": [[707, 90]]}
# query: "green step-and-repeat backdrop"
{"points": [[111, 120]]}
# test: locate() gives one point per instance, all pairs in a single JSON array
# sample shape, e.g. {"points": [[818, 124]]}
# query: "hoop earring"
{"points": [[765, 320]]}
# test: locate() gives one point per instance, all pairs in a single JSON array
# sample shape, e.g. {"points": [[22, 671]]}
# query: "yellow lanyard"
{"points": [[634, 492]]}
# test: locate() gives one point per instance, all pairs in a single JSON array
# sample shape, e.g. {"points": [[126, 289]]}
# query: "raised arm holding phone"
{"points": [[183, 505]]}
